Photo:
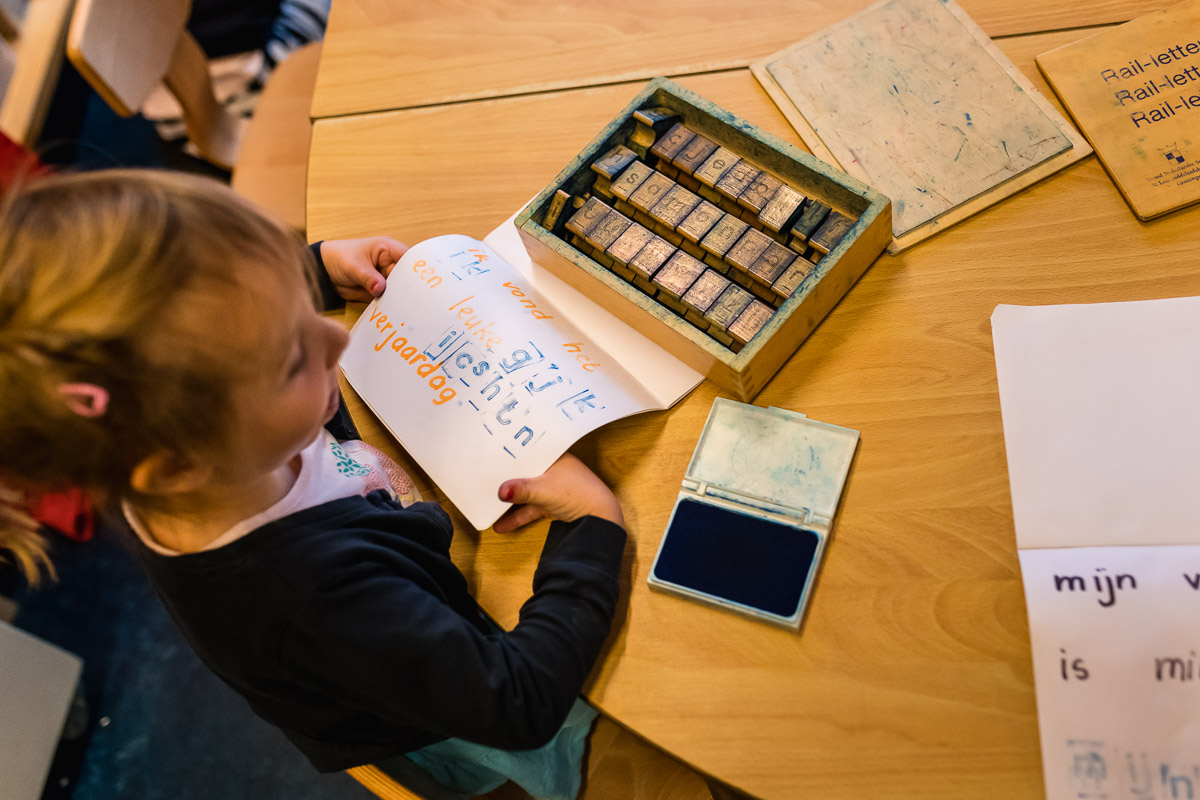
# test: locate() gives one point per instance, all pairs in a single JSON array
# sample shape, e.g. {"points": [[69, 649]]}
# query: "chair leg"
{"points": [[215, 133], [723, 791]]}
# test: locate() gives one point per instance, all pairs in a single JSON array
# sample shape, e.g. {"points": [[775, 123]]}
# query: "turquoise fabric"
{"points": [[552, 772]]}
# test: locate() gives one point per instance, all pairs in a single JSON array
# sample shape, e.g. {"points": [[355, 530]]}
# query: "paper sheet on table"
{"points": [[662, 374], [481, 378], [1099, 407], [1116, 662]]}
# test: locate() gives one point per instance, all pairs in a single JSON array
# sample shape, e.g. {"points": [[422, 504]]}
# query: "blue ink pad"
{"points": [[728, 555], [754, 511]]}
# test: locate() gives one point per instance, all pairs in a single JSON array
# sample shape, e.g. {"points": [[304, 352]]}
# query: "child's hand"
{"points": [[355, 265], [566, 491]]}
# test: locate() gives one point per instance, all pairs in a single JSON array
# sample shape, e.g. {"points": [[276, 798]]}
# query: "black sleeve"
{"points": [[408, 655], [330, 299], [342, 425]]}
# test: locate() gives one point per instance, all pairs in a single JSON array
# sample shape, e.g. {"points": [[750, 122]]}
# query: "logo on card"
{"points": [[1172, 153]]}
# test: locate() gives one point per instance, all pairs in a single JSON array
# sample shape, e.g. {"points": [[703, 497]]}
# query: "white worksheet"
{"points": [[482, 378], [1100, 407]]}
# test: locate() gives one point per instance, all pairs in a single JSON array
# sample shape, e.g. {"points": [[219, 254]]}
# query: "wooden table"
{"points": [[912, 677]]}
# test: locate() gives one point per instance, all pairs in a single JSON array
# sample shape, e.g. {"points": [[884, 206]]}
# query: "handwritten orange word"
{"points": [[581, 357], [413, 357], [381, 321], [426, 273], [527, 302], [485, 334]]}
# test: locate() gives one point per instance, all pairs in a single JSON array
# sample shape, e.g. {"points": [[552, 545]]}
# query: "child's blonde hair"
{"points": [[93, 267]]}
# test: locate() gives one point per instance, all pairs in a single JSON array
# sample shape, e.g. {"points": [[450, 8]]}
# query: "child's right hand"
{"points": [[566, 491], [357, 267]]}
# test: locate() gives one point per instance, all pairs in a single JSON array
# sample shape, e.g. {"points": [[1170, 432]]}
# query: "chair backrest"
{"points": [[126, 48], [38, 46], [272, 166]]}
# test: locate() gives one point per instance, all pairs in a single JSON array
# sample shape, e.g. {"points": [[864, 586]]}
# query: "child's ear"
{"points": [[166, 473]]}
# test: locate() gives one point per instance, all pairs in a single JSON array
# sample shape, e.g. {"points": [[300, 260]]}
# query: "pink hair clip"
{"points": [[85, 399]]}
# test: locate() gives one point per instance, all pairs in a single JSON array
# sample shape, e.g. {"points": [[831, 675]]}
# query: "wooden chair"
{"points": [[384, 786], [37, 41], [416, 784], [126, 48]]}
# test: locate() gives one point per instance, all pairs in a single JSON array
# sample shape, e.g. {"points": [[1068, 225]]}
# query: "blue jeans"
{"points": [[551, 772]]}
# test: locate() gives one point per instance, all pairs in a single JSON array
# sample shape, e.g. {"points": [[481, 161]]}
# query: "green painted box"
{"points": [[744, 373]]}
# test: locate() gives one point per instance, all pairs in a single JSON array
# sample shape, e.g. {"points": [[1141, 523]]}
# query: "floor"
{"points": [[157, 723]]}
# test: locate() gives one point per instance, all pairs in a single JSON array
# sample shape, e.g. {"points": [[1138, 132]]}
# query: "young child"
{"points": [[160, 347]]}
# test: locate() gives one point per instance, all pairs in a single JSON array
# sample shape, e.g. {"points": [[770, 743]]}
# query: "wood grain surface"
{"points": [[911, 677], [386, 55]]}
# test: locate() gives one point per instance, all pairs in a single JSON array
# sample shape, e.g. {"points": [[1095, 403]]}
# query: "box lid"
{"points": [[772, 458]]}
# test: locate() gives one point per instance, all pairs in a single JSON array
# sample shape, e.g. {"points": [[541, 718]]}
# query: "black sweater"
{"points": [[347, 626]]}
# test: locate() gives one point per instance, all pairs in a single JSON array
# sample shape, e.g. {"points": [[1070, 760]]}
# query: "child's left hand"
{"points": [[356, 265]]}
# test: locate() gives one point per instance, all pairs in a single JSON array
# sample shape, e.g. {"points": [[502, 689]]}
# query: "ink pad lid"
{"points": [[772, 459], [749, 526]]}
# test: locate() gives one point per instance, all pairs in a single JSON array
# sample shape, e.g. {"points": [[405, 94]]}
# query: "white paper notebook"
{"points": [[1102, 434], [485, 367]]}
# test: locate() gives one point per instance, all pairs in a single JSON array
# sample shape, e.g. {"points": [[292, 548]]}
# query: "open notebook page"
{"points": [[477, 375], [663, 375]]}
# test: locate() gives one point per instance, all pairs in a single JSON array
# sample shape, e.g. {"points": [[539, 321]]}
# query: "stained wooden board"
{"points": [[387, 55], [911, 97], [1135, 91]]}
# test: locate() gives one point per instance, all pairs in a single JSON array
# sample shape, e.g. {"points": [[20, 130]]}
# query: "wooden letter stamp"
{"points": [[694, 153], [722, 236], [629, 243], [611, 163], [649, 260], [812, 217], [678, 275], [704, 292], [554, 214], [715, 166], [787, 283], [671, 142], [771, 264], [650, 192], [750, 321], [737, 179], [675, 205], [606, 231], [630, 179], [760, 192], [587, 217], [747, 249], [700, 221], [782, 210], [728, 305], [831, 232]]}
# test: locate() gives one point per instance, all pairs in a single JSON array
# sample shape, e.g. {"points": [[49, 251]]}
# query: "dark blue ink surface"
{"points": [[737, 557]]}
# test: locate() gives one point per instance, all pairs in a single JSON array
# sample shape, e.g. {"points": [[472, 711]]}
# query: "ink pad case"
{"points": [[754, 511]]}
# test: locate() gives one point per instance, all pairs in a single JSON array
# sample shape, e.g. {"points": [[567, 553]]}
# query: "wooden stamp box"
{"points": [[742, 368]]}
